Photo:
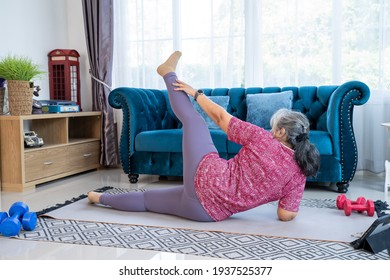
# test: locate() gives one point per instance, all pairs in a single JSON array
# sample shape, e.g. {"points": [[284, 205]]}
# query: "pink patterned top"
{"points": [[264, 170]]}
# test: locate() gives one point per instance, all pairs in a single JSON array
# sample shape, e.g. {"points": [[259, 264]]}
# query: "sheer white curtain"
{"points": [[367, 52], [210, 34], [234, 43]]}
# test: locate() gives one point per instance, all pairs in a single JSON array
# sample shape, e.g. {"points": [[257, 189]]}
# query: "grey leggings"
{"points": [[182, 200]]}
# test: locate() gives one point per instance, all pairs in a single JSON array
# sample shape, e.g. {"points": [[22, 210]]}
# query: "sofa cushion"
{"points": [[261, 107], [219, 139], [222, 101], [165, 140], [170, 140], [320, 139], [233, 147]]}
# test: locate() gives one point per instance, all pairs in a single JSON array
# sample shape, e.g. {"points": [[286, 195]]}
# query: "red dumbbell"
{"points": [[342, 198], [369, 207]]}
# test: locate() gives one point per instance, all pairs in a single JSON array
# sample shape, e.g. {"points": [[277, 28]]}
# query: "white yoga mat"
{"points": [[311, 223]]}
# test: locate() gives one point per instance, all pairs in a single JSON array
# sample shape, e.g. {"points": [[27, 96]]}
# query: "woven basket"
{"points": [[20, 96]]}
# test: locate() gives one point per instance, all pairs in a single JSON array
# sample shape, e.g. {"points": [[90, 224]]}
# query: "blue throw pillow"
{"points": [[261, 107], [222, 101]]}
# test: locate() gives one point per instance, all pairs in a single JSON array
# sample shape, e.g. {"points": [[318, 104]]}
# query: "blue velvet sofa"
{"points": [[151, 135]]}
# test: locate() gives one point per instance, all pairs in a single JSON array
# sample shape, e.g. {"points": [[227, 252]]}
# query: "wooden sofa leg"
{"points": [[342, 187], [133, 178]]}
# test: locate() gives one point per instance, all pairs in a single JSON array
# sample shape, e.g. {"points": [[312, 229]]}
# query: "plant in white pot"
{"points": [[19, 71]]}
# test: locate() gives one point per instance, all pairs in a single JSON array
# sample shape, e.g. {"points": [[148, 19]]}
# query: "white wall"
{"points": [[35, 27], [76, 40]]}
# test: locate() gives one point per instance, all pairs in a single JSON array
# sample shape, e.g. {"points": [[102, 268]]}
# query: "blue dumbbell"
{"points": [[3, 216], [19, 216]]}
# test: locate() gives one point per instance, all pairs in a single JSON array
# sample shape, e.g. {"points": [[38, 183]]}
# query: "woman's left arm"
{"points": [[219, 115], [285, 215]]}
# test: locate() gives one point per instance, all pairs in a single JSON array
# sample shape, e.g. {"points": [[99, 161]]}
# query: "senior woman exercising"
{"points": [[270, 166]]}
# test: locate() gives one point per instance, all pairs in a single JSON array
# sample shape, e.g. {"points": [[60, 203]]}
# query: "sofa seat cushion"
{"points": [[320, 139], [233, 147], [170, 140]]}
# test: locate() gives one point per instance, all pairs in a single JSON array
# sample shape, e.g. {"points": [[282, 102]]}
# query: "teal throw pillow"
{"points": [[261, 107], [222, 101]]}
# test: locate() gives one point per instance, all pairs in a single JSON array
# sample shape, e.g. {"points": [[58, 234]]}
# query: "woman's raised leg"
{"points": [[182, 200], [197, 141]]}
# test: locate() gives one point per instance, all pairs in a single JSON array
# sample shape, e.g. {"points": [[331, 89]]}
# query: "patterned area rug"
{"points": [[201, 243]]}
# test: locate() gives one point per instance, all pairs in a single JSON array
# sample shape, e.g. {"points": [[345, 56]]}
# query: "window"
{"points": [[240, 43]]}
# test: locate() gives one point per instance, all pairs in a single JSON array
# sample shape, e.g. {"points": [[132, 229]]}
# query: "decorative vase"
{"points": [[20, 97]]}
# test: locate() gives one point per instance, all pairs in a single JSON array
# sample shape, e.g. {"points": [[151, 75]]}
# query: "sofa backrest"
{"points": [[310, 100]]}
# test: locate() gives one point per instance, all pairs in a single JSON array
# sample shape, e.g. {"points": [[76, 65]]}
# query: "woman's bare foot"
{"points": [[94, 197], [170, 64]]}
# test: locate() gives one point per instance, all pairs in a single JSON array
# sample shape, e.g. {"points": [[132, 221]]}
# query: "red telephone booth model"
{"points": [[64, 75]]}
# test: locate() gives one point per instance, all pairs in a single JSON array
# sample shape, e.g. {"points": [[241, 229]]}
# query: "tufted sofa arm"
{"points": [[143, 110], [340, 124]]}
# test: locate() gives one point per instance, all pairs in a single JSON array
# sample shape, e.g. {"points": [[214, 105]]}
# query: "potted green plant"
{"points": [[19, 71]]}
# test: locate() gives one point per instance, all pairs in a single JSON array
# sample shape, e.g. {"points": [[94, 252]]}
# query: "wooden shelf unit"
{"points": [[71, 145]]}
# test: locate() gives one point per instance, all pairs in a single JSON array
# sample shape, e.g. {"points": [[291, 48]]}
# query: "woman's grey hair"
{"points": [[297, 128]]}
